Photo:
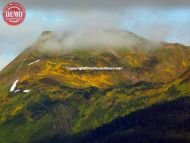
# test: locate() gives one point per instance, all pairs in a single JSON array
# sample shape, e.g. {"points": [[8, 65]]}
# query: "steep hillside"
{"points": [[159, 123], [42, 98]]}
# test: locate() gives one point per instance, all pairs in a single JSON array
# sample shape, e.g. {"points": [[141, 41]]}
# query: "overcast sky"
{"points": [[161, 20]]}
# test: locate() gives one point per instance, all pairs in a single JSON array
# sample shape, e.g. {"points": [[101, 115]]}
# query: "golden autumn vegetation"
{"points": [[64, 103]]}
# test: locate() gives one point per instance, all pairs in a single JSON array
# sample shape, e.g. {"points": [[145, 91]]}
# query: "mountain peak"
{"points": [[88, 38], [46, 33]]}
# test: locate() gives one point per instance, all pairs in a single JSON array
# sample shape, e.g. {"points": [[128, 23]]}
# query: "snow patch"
{"points": [[17, 90], [13, 86], [34, 62], [26, 91]]}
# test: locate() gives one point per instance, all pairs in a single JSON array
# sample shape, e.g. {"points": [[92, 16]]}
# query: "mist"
{"points": [[164, 20], [92, 38]]}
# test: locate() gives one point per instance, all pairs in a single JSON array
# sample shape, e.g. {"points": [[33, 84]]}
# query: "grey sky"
{"points": [[80, 5]]}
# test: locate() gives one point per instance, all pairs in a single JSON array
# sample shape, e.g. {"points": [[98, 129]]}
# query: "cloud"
{"points": [[13, 40], [91, 38], [165, 20], [83, 5], [158, 24]]}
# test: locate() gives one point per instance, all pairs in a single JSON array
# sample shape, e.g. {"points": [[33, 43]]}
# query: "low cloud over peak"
{"points": [[92, 38], [160, 20]]}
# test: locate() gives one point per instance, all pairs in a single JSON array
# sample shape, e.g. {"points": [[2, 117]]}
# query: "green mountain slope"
{"points": [[49, 100], [158, 123]]}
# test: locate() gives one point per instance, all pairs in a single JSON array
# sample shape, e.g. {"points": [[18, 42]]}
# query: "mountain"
{"points": [[159, 123], [42, 99]]}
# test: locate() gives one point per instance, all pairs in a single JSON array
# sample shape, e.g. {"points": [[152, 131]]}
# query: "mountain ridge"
{"points": [[62, 102]]}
